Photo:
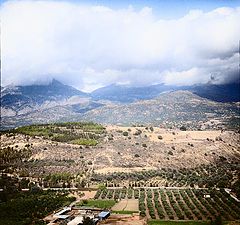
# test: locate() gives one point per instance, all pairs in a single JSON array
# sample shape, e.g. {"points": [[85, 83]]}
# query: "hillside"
{"points": [[127, 94], [21, 105], [156, 104], [93, 153], [172, 108]]}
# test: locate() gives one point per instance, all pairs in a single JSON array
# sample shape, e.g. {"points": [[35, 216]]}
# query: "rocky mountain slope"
{"points": [[156, 104], [172, 108], [128, 94], [42, 103]]}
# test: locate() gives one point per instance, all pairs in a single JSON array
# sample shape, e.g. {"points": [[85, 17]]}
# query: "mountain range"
{"points": [[126, 94], [121, 104]]}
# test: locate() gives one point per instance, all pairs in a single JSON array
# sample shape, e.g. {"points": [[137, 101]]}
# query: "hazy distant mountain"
{"points": [[220, 93], [126, 94], [37, 94]]}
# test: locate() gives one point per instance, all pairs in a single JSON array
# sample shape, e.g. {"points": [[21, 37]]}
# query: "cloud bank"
{"points": [[93, 46]]}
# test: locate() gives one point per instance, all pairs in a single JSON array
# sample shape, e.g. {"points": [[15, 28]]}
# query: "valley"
{"points": [[145, 158], [147, 167]]}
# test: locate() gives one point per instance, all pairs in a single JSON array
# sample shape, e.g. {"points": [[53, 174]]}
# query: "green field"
{"points": [[104, 204], [124, 212]]}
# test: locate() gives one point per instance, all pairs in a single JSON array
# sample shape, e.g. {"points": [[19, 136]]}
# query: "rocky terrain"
{"points": [[171, 109], [126, 150], [156, 105]]}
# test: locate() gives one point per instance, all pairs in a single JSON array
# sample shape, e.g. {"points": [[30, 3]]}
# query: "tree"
{"points": [[183, 128], [218, 221], [88, 221]]}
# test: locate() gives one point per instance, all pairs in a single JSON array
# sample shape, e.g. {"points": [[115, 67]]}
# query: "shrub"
{"points": [[183, 128], [138, 132], [160, 137], [125, 133]]}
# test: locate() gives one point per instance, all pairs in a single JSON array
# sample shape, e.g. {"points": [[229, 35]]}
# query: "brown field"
{"points": [[88, 194], [126, 205], [124, 220]]}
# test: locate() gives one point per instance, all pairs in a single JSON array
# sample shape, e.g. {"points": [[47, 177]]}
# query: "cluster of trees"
{"points": [[142, 207], [183, 204], [27, 208], [227, 206], [78, 133], [157, 205], [166, 205], [12, 155], [57, 180], [116, 194], [213, 175], [150, 204], [186, 204]]}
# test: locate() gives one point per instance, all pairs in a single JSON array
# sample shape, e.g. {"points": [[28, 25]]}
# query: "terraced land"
{"points": [[179, 204]]}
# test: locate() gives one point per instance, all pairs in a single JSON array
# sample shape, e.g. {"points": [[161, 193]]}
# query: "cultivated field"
{"points": [[178, 204], [128, 205]]}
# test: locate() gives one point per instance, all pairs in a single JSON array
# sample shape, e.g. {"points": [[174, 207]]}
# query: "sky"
{"points": [[91, 44]]}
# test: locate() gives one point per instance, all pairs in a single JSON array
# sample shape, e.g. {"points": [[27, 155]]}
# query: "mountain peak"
{"points": [[36, 94], [56, 83]]}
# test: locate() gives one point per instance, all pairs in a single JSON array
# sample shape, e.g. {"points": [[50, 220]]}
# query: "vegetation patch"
{"points": [[124, 212], [76, 132], [27, 208], [104, 204], [175, 204], [82, 141]]}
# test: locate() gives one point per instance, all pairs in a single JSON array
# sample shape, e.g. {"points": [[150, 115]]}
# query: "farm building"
{"points": [[103, 215], [63, 211], [76, 221]]}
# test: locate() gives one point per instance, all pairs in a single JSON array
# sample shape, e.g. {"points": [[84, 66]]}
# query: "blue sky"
{"points": [[164, 9], [90, 44], [170, 8]]}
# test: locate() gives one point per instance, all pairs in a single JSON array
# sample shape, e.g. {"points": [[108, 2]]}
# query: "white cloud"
{"points": [[91, 46]]}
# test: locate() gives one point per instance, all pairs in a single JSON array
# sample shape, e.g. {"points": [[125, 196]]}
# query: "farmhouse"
{"points": [[103, 215], [61, 213], [75, 216]]}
